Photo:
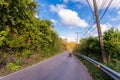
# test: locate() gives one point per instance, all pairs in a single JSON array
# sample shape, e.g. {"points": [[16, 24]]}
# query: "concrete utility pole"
{"points": [[99, 32], [77, 37]]}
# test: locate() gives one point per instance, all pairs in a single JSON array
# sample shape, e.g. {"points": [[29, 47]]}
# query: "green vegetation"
{"points": [[96, 73], [25, 39], [90, 47], [112, 44], [112, 47]]}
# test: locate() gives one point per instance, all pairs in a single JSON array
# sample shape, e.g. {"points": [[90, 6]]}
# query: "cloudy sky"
{"points": [[71, 16]]}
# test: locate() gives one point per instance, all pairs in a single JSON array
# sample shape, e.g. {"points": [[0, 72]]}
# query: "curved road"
{"points": [[60, 67]]}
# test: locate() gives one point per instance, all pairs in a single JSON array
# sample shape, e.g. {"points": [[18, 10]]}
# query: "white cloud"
{"points": [[56, 8], [69, 37], [104, 27], [71, 18], [36, 16], [54, 21], [68, 17], [118, 27]]}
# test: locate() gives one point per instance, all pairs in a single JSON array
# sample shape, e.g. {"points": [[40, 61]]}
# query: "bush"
{"points": [[19, 61], [114, 64], [26, 53], [12, 67]]}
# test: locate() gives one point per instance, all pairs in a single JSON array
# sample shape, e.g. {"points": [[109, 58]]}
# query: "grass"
{"points": [[96, 73], [13, 67]]}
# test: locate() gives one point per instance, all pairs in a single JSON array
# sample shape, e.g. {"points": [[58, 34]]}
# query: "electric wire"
{"points": [[105, 4], [107, 8]]}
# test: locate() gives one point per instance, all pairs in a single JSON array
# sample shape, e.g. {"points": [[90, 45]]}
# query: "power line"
{"points": [[90, 6], [107, 7], [105, 4], [102, 5], [112, 11], [85, 33]]}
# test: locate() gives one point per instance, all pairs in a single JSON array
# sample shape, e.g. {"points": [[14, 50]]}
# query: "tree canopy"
{"points": [[22, 35]]}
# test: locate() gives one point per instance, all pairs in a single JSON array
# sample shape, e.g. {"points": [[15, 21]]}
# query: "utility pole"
{"points": [[99, 32], [77, 37]]}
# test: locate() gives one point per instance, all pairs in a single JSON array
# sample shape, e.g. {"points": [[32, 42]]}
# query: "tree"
{"points": [[90, 47], [23, 35], [112, 43]]}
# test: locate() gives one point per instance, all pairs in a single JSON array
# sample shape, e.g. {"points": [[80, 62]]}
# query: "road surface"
{"points": [[60, 67]]}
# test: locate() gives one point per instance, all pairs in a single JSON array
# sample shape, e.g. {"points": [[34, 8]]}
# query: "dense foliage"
{"points": [[23, 36], [112, 47], [112, 43], [90, 47]]}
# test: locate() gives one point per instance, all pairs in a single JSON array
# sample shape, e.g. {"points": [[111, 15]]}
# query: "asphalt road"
{"points": [[60, 67]]}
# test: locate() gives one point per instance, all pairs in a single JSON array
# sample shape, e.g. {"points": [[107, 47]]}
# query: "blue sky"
{"points": [[71, 16]]}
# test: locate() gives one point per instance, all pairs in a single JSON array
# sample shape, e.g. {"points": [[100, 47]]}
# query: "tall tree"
{"points": [[112, 43]]}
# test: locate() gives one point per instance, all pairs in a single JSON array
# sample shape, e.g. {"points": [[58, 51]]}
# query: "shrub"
{"points": [[12, 67]]}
